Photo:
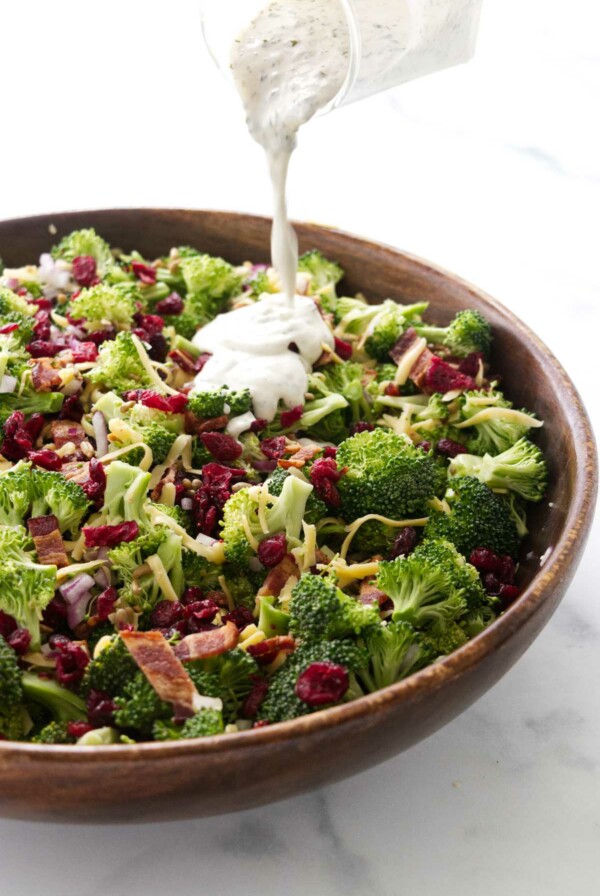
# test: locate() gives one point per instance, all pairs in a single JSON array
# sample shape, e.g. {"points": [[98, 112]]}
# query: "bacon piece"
{"points": [[44, 376], [418, 371], [48, 540], [64, 431], [210, 424], [278, 576], [213, 642], [370, 594], [265, 651], [406, 341], [156, 492], [300, 457], [76, 470], [157, 660]]}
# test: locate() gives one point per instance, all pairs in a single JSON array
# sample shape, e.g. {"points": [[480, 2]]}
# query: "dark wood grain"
{"points": [[213, 775]]}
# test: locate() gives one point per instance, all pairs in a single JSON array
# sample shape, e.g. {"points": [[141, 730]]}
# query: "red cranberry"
{"points": [[8, 328], [84, 270], [166, 613], [442, 377], [170, 404], [100, 336], [45, 458], [151, 323], [323, 474], [18, 439], [72, 409], [106, 603], [491, 583], [291, 416], [273, 448], [84, 352], [95, 484], [78, 729], [101, 709], [144, 272], [7, 625], [470, 364], [54, 615], [508, 593], [200, 614], [71, 660], [20, 640], [485, 560], [425, 446], [322, 683], [259, 424], [266, 651], [449, 448], [272, 550], [253, 701], [391, 389], [361, 426], [43, 348], [262, 723], [110, 536], [405, 542], [173, 304], [222, 447], [41, 328], [240, 616], [159, 348], [342, 349], [191, 595]]}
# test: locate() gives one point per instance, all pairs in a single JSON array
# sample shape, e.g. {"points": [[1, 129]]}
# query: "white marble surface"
{"points": [[493, 171]]}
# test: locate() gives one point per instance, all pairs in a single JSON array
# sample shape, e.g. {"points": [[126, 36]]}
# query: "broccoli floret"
{"points": [[54, 733], [423, 593], [261, 282], [323, 272], [209, 283], [15, 495], [182, 517], [228, 677], [12, 303], [355, 316], [281, 702], [200, 572], [315, 509], [488, 424], [159, 440], [85, 242], [125, 493], [383, 335], [11, 693], [443, 555], [123, 364], [242, 585], [477, 518], [349, 380], [468, 332], [51, 493], [520, 469], [101, 305], [205, 723], [140, 706], [321, 611], [517, 512], [111, 670], [385, 475], [215, 403], [394, 653], [26, 587], [144, 588], [441, 641], [64, 705], [30, 402], [284, 515]]}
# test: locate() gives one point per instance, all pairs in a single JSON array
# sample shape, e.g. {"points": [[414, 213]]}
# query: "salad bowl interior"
{"points": [[143, 782]]}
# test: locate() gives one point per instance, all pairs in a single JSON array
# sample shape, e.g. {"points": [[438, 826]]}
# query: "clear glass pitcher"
{"points": [[391, 41]]}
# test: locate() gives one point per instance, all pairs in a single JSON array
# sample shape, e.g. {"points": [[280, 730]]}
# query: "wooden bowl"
{"points": [[221, 774]]}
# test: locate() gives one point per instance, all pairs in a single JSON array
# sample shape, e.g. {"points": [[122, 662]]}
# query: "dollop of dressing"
{"points": [[268, 347], [289, 62]]}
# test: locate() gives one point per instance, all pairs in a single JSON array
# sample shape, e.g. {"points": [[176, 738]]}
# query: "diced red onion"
{"points": [[73, 590], [102, 578], [8, 384], [201, 538], [100, 433]]}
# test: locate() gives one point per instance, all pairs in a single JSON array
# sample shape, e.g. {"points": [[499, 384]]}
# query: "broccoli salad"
{"points": [[176, 564]]}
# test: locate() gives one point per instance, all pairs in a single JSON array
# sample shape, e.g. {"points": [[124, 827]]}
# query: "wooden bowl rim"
{"points": [[430, 679]]}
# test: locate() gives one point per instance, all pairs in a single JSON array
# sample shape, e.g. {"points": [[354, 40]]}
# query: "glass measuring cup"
{"points": [[391, 41]]}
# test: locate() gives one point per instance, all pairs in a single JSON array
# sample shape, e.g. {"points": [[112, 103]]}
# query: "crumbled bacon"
{"points": [[211, 424], [45, 376], [200, 646], [64, 431], [183, 360], [278, 576], [265, 651], [303, 454], [157, 660], [404, 343], [370, 595], [48, 541]]}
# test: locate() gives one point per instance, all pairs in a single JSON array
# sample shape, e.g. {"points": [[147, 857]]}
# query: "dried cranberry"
{"points": [[470, 365], [210, 498], [166, 613], [144, 272], [405, 542], [35, 425], [41, 328], [95, 484], [272, 550], [159, 348], [191, 595], [391, 389], [7, 624], [322, 683], [288, 418], [342, 349], [84, 270], [491, 583], [78, 729], [47, 459], [18, 441], [173, 304], [8, 328], [442, 377], [425, 446], [222, 447], [323, 474], [273, 448], [200, 615], [184, 361], [259, 424], [330, 451], [84, 351], [241, 617], [110, 536], [449, 448], [54, 615], [43, 348], [170, 404], [361, 426], [100, 709], [71, 660], [262, 723], [72, 409], [20, 640], [253, 701], [100, 336], [151, 323], [105, 604], [485, 560], [201, 360], [508, 593]]}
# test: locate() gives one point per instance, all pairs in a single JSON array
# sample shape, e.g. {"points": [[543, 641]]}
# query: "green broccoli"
{"points": [[101, 305], [12, 303], [205, 723], [64, 705], [520, 469], [423, 593], [140, 586], [228, 677], [477, 518], [468, 332], [242, 584], [323, 273], [209, 283], [321, 611], [356, 317], [123, 364], [51, 493], [394, 653], [315, 509], [54, 733], [139, 707], [281, 702], [442, 640], [26, 587], [488, 424], [217, 402], [284, 515], [349, 380], [443, 554], [385, 475], [111, 670], [85, 242], [29, 401], [126, 493], [11, 694]]}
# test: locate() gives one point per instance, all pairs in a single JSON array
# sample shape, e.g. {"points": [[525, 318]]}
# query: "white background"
{"points": [[492, 170]]}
